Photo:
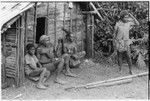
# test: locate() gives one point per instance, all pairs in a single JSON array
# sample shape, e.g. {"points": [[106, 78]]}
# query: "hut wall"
{"points": [[58, 18]]}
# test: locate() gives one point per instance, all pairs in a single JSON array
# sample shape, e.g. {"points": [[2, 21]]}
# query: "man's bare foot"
{"points": [[41, 86], [60, 81], [70, 74]]}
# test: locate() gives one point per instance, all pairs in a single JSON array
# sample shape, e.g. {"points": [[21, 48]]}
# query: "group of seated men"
{"points": [[44, 60]]}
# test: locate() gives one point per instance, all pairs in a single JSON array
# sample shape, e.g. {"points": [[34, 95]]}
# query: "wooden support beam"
{"points": [[21, 51], [96, 11], [35, 22]]}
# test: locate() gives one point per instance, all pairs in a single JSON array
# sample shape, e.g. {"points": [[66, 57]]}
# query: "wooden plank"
{"points": [[35, 22], [96, 11]]}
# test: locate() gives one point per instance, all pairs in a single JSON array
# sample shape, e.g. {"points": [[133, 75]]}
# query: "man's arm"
{"points": [[134, 19]]}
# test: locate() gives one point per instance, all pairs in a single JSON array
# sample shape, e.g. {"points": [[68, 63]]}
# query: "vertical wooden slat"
{"points": [[34, 27], [55, 24]]}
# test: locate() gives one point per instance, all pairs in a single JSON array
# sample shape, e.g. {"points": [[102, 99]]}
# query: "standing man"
{"points": [[121, 36]]}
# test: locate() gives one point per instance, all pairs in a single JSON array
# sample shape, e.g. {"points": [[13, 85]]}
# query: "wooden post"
{"points": [[34, 27], [55, 24], [21, 50], [92, 35]]}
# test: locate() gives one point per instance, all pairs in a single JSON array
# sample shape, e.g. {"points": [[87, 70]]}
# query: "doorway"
{"points": [[40, 28]]}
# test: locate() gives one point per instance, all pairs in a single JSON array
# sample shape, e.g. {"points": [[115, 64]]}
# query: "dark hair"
{"points": [[123, 14], [29, 46]]}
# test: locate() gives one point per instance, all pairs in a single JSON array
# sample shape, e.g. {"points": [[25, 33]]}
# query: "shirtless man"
{"points": [[46, 56], [70, 48], [121, 36]]}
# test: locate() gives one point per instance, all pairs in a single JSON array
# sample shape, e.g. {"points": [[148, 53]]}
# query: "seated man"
{"points": [[71, 49], [34, 68], [47, 58]]}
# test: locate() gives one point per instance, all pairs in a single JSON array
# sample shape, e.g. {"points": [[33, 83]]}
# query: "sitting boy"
{"points": [[34, 68]]}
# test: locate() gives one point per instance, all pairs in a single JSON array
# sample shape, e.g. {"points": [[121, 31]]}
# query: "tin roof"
{"points": [[8, 11]]}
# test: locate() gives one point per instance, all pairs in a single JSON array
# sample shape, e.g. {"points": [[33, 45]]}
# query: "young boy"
{"points": [[34, 68]]}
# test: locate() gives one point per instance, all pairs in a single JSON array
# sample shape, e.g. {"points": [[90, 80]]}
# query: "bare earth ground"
{"points": [[89, 72]]}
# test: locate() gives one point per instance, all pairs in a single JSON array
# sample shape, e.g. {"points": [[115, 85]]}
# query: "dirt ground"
{"points": [[89, 72]]}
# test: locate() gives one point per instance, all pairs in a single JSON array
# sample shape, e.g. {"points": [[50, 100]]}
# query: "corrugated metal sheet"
{"points": [[10, 10]]}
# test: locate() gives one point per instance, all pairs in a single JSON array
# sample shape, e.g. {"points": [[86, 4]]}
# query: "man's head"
{"points": [[124, 15], [30, 49], [44, 39]]}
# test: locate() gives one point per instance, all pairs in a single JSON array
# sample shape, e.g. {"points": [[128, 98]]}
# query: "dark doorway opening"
{"points": [[40, 28]]}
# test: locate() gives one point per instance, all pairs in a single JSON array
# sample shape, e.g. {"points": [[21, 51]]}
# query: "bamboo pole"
{"points": [[96, 11], [109, 80], [34, 27]]}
